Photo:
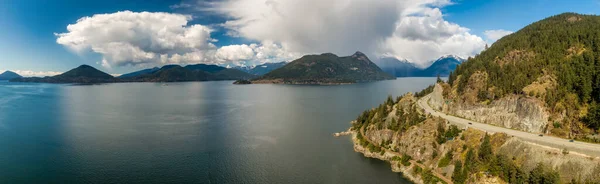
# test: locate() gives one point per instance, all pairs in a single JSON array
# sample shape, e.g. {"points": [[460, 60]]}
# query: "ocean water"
{"points": [[193, 132]]}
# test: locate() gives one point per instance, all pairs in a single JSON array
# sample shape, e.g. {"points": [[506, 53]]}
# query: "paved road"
{"points": [[555, 142]]}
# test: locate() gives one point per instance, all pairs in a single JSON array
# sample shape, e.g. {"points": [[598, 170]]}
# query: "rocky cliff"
{"points": [[430, 150], [516, 112]]}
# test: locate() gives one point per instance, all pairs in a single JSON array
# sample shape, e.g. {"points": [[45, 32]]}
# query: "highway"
{"points": [[550, 141]]}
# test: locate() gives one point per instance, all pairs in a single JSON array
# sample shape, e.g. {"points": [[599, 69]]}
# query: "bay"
{"points": [[194, 132]]}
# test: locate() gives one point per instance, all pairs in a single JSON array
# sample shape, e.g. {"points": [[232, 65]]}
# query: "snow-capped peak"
{"points": [[452, 56]]}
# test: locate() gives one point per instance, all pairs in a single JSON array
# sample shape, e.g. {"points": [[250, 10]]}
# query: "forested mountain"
{"points": [[326, 69], [81, 74], [197, 72], [7, 75], [167, 73], [138, 73], [556, 60]]}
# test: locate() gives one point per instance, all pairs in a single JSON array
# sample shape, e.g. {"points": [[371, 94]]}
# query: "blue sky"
{"points": [[28, 42]]}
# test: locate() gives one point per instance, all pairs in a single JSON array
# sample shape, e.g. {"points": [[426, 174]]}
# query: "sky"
{"points": [[43, 37]]}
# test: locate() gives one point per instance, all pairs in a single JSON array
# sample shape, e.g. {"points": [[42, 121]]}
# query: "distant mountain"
{"points": [[326, 68], [402, 68], [398, 68], [7, 75], [261, 69], [205, 67], [81, 74], [176, 73], [442, 66], [141, 72], [167, 73]]}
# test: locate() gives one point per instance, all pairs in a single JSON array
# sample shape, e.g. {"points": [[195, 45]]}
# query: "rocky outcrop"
{"points": [[521, 113], [569, 165], [516, 112], [437, 100], [387, 156]]}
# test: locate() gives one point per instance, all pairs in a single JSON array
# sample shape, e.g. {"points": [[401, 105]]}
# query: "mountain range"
{"points": [[7, 75], [326, 68], [261, 69], [168, 73], [403, 68]]}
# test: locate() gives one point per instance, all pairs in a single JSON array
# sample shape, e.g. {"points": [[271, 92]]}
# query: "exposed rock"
{"points": [[541, 85], [437, 99], [476, 83], [574, 19], [569, 166], [514, 56], [522, 113]]}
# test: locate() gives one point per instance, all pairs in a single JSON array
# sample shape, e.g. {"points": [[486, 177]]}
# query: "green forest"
{"points": [[566, 46]]}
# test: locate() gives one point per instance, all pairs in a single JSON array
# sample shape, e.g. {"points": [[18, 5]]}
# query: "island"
{"points": [[325, 68]]}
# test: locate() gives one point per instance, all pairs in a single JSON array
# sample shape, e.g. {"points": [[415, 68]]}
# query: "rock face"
{"points": [[570, 166], [517, 112], [437, 99], [522, 113]]}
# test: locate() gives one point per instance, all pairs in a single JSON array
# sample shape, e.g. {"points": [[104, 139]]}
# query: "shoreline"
{"points": [[387, 157]]}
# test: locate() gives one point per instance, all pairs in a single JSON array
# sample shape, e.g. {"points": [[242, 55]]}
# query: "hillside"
{"points": [[402, 68], [138, 73], [205, 67], [81, 74], [326, 69], [7, 75], [176, 73], [546, 75], [428, 149]]}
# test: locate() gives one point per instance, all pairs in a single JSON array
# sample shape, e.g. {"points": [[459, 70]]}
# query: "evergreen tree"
{"points": [[458, 174], [485, 149]]}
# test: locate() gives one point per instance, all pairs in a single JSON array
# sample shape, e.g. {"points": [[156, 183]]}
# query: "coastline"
{"points": [[387, 157]]}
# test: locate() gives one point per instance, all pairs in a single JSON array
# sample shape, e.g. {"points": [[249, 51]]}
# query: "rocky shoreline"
{"points": [[395, 165]]}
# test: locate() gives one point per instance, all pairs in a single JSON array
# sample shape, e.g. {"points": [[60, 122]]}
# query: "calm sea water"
{"points": [[196, 132]]}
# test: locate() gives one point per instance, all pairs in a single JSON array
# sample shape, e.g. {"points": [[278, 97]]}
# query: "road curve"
{"points": [[550, 141]]}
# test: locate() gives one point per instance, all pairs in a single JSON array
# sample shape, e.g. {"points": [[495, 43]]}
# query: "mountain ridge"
{"points": [[326, 68], [442, 66], [7, 75]]}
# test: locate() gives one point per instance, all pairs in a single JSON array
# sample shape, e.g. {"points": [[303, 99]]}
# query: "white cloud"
{"points": [[253, 54], [412, 29], [427, 36], [493, 35], [149, 39], [28, 73], [235, 52], [131, 38]]}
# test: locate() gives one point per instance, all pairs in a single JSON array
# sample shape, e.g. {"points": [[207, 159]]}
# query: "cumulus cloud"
{"points": [[150, 39], [411, 29], [312, 26], [426, 36], [494, 35], [253, 54], [131, 38]]}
